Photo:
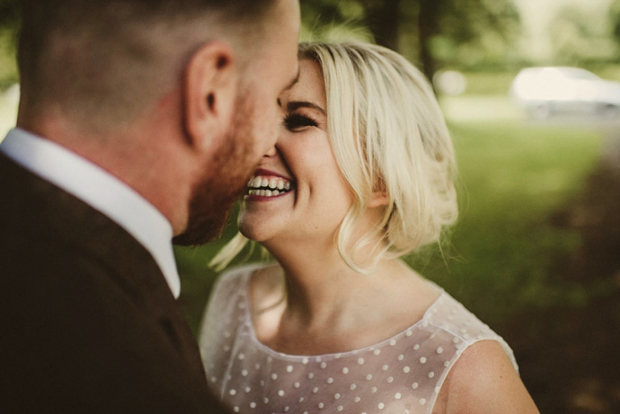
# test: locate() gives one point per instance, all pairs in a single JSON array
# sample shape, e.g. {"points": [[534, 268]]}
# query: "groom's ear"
{"points": [[210, 91]]}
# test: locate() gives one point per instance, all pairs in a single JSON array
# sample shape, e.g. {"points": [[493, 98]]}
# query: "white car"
{"points": [[545, 91]]}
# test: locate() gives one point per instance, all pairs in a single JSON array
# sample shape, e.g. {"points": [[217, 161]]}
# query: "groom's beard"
{"points": [[225, 179]]}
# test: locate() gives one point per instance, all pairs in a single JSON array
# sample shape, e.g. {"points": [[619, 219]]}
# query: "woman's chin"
{"points": [[254, 233], [258, 226]]}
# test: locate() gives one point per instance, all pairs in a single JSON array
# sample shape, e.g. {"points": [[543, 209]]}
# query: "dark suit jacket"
{"points": [[87, 321]]}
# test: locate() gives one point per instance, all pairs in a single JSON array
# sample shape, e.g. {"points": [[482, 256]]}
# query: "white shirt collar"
{"points": [[101, 190]]}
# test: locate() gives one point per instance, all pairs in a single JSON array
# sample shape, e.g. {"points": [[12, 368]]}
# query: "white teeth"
{"points": [[268, 186], [265, 193]]}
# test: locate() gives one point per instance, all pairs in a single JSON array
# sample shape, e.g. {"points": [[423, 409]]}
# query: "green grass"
{"points": [[514, 174], [513, 177]]}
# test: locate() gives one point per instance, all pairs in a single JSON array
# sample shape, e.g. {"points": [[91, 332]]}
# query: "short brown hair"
{"points": [[110, 59]]}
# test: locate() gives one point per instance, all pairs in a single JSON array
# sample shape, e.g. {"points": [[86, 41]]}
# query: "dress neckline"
{"points": [[247, 316]]}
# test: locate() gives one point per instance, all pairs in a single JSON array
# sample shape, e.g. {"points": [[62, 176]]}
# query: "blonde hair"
{"points": [[388, 134]]}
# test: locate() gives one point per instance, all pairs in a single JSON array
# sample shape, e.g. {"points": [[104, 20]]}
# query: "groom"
{"points": [[139, 121]]}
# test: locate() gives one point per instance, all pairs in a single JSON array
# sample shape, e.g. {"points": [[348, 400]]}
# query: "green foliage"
{"points": [[319, 13], [611, 72], [9, 24], [333, 20], [578, 36], [614, 17], [8, 65], [475, 30], [434, 32], [9, 13]]}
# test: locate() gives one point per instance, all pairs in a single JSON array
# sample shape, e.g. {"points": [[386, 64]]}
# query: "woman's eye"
{"points": [[294, 122]]}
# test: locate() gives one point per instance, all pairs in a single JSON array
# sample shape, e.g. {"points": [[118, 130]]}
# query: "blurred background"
{"points": [[536, 253]]}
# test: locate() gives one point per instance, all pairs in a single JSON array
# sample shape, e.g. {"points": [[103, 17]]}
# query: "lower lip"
{"points": [[248, 197]]}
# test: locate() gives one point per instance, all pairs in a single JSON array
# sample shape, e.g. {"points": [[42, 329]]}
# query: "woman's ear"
{"points": [[379, 194], [210, 93], [378, 199]]}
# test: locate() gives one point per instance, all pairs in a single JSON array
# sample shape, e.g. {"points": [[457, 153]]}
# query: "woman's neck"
{"points": [[315, 303]]}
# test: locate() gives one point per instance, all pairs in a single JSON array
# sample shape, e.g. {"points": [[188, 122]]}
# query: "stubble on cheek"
{"points": [[224, 181]]}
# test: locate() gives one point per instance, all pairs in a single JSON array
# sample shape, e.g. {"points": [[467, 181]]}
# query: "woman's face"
{"points": [[298, 191]]}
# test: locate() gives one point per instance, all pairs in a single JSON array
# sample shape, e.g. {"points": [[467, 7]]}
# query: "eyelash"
{"points": [[294, 122]]}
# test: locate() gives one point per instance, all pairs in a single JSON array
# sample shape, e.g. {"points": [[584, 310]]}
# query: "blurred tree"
{"points": [[445, 32], [578, 35], [9, 22], [333, 20], [435, 32], [384, 20], [614, 16], [474, 31], [9, 13]]}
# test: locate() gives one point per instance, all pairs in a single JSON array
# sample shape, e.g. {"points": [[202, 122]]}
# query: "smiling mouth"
{"points": [[268, 186]]}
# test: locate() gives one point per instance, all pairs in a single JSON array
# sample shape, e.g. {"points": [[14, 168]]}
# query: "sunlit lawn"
{"points": [[513, 175]]}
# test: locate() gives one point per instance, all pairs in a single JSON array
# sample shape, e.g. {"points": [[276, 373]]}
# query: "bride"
{"points": [[361, 174]]}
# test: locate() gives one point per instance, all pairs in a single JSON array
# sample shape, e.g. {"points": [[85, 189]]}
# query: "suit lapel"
{"points": [[131, 266]]}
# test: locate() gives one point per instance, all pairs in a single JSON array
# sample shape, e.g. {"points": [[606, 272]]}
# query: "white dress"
{"points": [[402, 374]]}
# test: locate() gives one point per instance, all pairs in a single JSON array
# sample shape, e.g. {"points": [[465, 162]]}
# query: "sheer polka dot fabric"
{"points": [[402, 374]]}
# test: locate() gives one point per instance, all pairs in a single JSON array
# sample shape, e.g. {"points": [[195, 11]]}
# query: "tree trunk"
{"points": [[383, 18], [428, 26]]}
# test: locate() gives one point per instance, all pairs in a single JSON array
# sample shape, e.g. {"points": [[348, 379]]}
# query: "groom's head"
{"points": [[107, 60], [202, 76]]}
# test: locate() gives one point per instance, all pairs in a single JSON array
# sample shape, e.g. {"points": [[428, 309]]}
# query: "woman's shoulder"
{"points": [[462, 327], [483, 380], [480, 369]]}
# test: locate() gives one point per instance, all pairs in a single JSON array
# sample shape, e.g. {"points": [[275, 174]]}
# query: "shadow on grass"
{"points": [[568, 353]]}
